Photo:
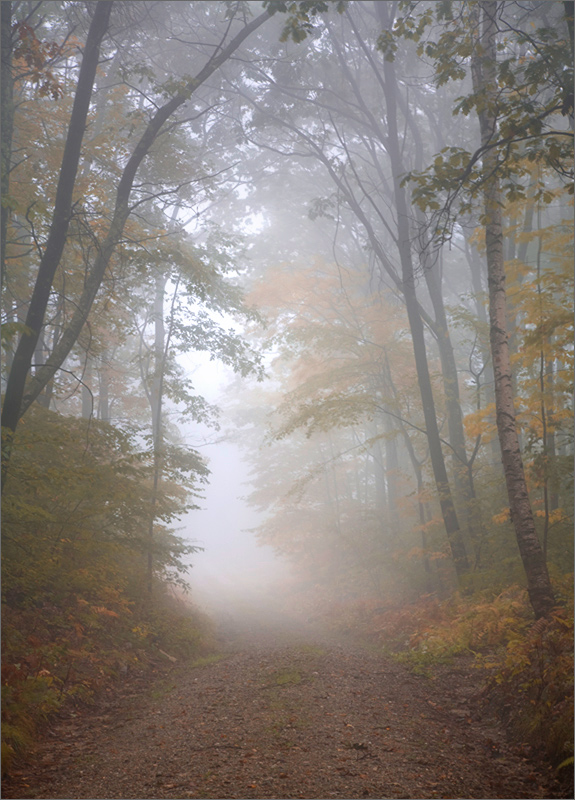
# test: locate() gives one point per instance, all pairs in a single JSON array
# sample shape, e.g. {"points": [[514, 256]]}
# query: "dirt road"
{"points": [[284, 715]]}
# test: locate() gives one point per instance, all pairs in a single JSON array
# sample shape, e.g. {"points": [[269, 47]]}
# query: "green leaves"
{"points": [[78, 498], [435, 188], [74, 562], [11, 330], [535, 81], [387, 44], [300, 23]]}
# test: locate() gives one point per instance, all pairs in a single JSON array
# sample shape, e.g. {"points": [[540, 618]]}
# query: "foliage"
{"points": [[474, 625], [74, 567], [299, 23], [342, 363], [528, 666], [530, 685], [541, 325], [535, 94], [33, 59], [344, 473]]}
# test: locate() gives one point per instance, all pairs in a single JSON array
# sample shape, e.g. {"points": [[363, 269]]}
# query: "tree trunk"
{"points": [[406, 283], [6, 125], [17, 403], [60, 219], [418, 472], [485, 83], [156, 401], [449, 514], [446, 503], [462, 473], [104, 388], [57, 235], [87, 395], [380, 487]]}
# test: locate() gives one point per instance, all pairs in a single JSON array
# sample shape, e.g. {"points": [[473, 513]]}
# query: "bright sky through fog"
{"points": [[232, 565]]}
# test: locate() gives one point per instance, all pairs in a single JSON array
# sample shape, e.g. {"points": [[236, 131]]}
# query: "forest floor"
{"points": [[284, 713]]}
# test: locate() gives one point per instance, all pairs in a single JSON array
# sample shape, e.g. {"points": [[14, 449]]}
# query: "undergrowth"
{"points": [[76, 609], [63, 657], [527, 666]]}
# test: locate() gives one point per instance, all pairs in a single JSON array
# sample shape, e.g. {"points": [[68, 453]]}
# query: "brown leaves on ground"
{"points": [[288, 715]]}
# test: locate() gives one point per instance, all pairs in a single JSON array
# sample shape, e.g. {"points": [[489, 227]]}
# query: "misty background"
{"points": [[234, 572], [350, 226]]}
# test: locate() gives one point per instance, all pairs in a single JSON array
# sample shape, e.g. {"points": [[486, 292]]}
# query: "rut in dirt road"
{"points": [[291, 717]]}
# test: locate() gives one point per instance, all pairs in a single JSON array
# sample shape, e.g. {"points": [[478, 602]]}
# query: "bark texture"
{"points": [[6, 122], [485, 83]]}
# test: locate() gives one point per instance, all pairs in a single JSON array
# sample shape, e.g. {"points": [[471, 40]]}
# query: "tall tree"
{"points": [[518, 103], [6, 122], [340, 124], [18, 398], [485, 79], [60, 223]]}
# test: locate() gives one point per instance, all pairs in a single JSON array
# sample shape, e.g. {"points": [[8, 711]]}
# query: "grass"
{"points": [[205, 661], [285, 677], [162, 689]]}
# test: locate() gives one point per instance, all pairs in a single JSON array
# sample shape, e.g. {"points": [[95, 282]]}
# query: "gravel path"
{"points": [[283, 715]]}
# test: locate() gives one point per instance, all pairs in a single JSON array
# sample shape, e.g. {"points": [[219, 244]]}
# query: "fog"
{"points": [[233, 569], [233, 576], [283, 200], [349, 227]]}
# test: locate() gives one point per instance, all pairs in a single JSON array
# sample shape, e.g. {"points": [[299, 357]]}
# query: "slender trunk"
{"points": [[6, 125], [391, 470], [104, 389], [550, 445], [446, 503], [546, 405], [513, 317], [432, 272], [156, 402], [545, 464], [336, 492], [485, 83], [448, 366], [423, 526], [462, 473], [159, 344], [17, 403], [476, 271], [87, 396], [423, 511], [416, 466], [60, 219], [568, 6], [391, 453], [381, 495], [421, 505], [44, 398]]}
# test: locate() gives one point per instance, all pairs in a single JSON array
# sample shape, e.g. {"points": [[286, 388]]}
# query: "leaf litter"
{"points": [[285, 714]]}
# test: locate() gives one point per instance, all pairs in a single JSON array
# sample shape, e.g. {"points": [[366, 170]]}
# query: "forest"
{"points": [[363, 211]]}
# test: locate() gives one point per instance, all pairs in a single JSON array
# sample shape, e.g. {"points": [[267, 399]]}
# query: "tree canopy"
{"points": [[364, 211]]}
